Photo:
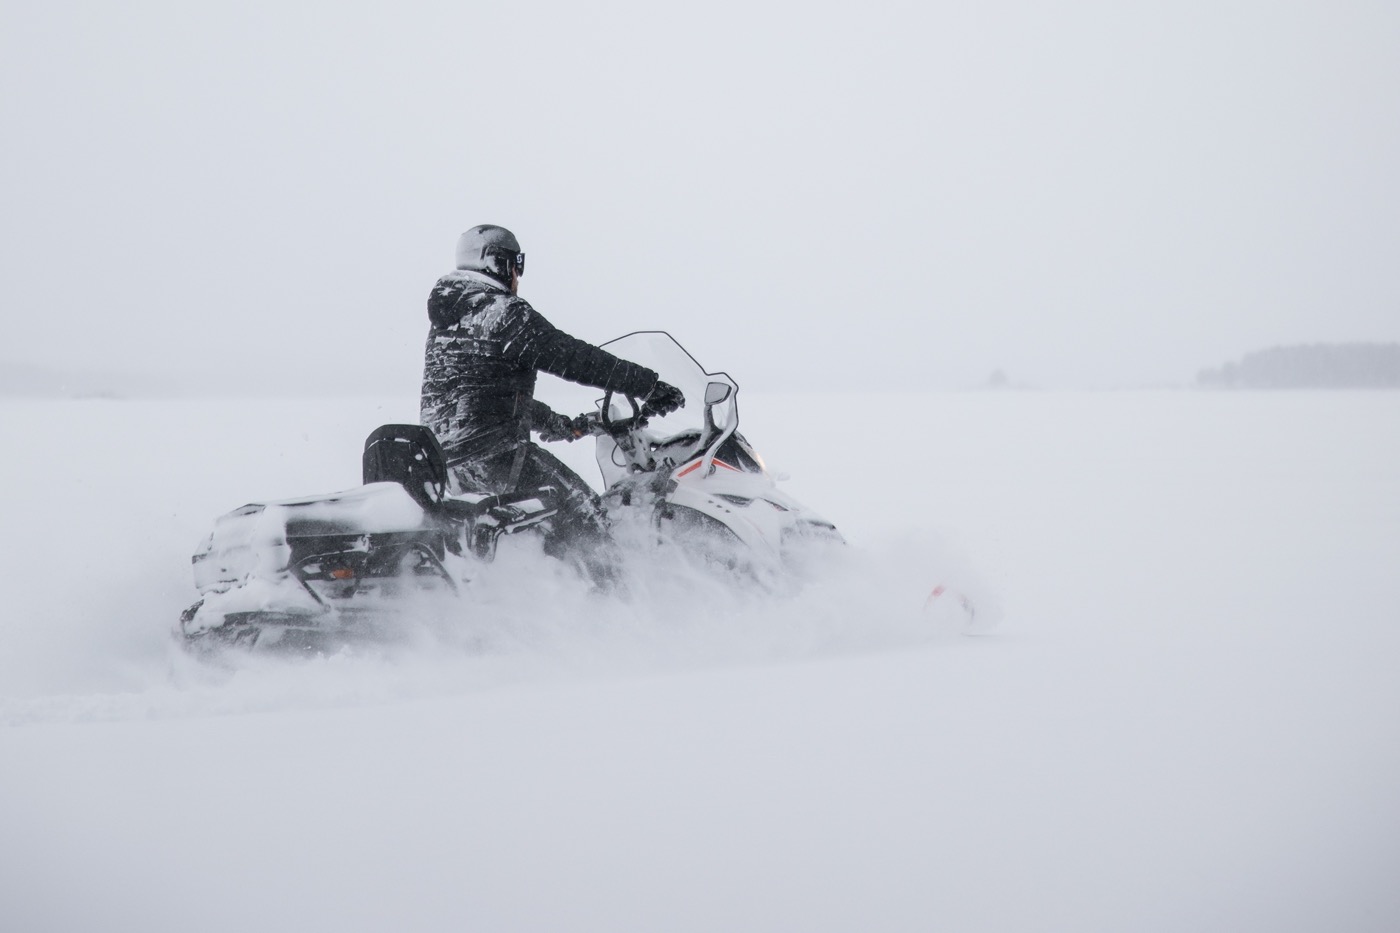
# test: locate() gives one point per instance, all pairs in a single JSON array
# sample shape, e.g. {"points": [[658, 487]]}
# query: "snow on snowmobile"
{"points": [[690, 477], [304, 574]]}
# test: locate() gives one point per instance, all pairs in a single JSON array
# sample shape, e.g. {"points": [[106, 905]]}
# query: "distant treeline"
{"points": [[1313, 366]]}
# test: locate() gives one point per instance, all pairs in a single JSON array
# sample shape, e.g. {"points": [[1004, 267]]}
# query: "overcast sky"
{"points": [[886, 194]]}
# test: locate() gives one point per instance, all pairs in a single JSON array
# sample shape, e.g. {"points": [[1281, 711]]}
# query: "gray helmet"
{"points": [[491, 250]]}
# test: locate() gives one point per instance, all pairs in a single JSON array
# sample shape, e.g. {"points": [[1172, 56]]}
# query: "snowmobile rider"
{"points": [[485, 347]]}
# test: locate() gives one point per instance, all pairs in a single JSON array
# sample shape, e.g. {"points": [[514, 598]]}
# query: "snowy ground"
{"points": [[1187, 719]]}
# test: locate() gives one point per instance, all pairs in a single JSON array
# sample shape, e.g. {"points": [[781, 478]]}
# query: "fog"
{"points": [[892, 195], [1184, 720]]}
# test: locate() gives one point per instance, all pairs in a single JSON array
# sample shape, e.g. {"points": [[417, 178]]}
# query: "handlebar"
{"points": [[604, 423], [625, 424]]}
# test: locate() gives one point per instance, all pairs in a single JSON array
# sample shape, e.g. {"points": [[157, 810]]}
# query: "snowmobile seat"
{"points": [[410, 455]]}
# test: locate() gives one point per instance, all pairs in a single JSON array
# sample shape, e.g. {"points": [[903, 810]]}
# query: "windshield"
{"points": [[687, 431]]}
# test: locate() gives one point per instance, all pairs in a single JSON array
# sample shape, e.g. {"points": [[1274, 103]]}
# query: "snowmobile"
{"points": [[305, 574]]}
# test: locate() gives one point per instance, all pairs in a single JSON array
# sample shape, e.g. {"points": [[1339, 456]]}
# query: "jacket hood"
{"points": [[452, 288]]}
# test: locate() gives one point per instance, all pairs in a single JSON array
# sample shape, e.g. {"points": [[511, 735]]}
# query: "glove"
{"points": [[556, 427], [663, 400], [584, 425]]}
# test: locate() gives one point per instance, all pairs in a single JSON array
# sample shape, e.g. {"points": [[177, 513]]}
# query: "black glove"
{"points": [[663, 400], [584, 425], [553, 426]]}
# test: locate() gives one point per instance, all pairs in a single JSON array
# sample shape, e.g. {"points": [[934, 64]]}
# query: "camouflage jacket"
{"points": [[485, 347]]}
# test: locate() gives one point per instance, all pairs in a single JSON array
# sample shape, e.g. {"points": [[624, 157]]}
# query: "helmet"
{"points": [[492, 250]]}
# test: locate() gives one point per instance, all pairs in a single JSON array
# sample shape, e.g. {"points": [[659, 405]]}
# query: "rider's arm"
{"points": [[545, 419], [532, 340]]}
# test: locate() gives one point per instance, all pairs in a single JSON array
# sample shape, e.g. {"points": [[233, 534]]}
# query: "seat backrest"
{"points": [[410, 455]]}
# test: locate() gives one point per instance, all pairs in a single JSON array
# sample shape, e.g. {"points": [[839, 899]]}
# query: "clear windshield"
{"points": [[687, 431]]}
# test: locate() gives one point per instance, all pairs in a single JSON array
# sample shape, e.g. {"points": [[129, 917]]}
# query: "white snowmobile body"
{"points": [[712, 489], [304, 573]]}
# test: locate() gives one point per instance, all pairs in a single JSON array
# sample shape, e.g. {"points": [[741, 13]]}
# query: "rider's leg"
{"points": [[579, 533]]}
